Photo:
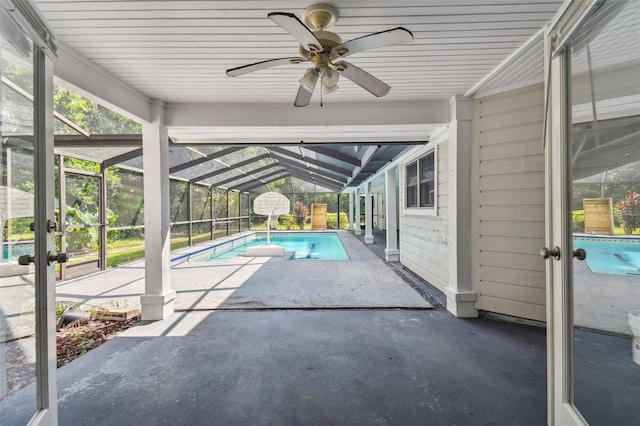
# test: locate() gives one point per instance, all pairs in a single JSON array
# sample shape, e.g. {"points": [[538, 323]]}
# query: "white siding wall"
{"points": [[508, 204], [377, 187], [423, 239]]}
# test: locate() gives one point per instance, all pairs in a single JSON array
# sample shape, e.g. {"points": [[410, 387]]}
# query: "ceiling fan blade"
{"points": [[298, 29], [245, 69], [363, 79], [372, 41], [308, 84], [303, 97]]}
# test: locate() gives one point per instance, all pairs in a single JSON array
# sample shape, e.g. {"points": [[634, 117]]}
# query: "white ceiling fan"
{"points": [[325, 50]]}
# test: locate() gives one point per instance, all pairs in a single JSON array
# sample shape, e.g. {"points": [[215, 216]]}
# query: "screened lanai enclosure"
{"points": [[99, 182]]}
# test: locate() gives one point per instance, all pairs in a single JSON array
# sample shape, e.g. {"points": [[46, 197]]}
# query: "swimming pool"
{"points": [[16, 249], [304, 245], [605, 255]]}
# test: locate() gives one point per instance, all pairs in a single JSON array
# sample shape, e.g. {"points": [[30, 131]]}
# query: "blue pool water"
{"points": [[619, 256], [17, 250], [311, 246]]}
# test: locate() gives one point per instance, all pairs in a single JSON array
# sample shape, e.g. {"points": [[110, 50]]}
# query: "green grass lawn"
{"points": [[124, 256], [28, 236], [126, 242], [619, 231], [263, 227]]}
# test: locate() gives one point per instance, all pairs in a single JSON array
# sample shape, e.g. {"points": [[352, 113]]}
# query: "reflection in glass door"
{"points": [[604, 167], [82, 226], [17, 191]]}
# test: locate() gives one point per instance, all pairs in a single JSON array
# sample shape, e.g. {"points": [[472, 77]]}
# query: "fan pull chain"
{"points": [[321, 105]]}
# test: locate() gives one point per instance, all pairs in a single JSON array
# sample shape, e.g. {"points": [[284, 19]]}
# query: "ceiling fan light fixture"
{"points": [[329, 77], [327, 90], [309, 80], [329, 81]]}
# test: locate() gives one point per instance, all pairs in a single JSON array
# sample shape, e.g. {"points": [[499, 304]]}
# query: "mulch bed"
{"points": [[72, 341], [75, 340]]}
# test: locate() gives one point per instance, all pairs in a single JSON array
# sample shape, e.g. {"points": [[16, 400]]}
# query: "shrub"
{"points": [[300, 211], [332, 221], [578, 221], [629, 212], [287, 221]]}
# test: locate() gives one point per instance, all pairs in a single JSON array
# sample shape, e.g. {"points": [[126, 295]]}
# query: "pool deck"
{"points": [[364, 281]]}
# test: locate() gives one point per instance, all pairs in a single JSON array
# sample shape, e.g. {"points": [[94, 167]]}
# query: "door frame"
{"points": [[45, 292], [561, 409], [100, 225]]}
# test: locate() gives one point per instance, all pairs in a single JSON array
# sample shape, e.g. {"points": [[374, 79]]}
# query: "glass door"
{"points": [[27, 321], [604, 171], [593, 214], [18, 331], [82, 226]]}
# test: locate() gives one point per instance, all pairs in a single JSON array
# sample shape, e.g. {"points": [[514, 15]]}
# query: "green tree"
{"points": [[220, 203], [90, 116], [178, 200]]}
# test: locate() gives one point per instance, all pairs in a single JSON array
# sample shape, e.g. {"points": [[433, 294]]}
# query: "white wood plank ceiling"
{"points": [[178, 51]]}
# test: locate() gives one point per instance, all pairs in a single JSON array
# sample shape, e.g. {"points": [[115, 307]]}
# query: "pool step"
{"points": [[271, 250]]}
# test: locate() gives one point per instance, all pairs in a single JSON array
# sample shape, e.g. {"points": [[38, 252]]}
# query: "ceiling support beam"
{"points": [[347, 114], [228, 168], [201, 160], [256, 179], [122, 158], [368, 155], [252, 185], [291, 164], [309, 160], [323, 150], [303, 167], [98, 141], [242, 176], [306, 174], [284, 142], [317, 180]]}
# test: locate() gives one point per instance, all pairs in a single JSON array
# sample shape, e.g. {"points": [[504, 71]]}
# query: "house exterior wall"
{"points": [[424, 237], [377, 188], [508, 195]]}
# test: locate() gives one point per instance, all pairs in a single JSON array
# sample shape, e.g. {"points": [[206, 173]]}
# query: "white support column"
{"points": [[356, 222], [158, 299], [368, 214], [392, 254], [460, 298], [350, 214]]}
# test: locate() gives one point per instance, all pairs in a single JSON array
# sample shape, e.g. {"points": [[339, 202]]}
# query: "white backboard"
{"points": [[272, 203]]}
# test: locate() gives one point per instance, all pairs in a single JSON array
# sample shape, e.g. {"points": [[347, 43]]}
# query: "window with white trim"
{"points": [[420, 178]]}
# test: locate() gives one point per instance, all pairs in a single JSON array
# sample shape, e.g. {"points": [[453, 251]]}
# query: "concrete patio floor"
{"points": [[332, 366], [318, 367]]}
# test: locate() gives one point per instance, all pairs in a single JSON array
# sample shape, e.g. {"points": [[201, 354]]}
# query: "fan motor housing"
{"points": [[327, 39]]}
